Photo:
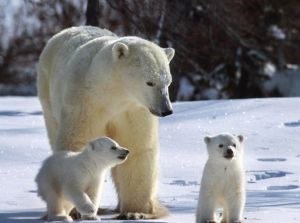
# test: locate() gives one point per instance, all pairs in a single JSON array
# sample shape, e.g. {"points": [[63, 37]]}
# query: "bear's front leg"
{"points": [[136, 179], [235, 204], [93, 193], [81, 201], [206, 207], [137, 188]]}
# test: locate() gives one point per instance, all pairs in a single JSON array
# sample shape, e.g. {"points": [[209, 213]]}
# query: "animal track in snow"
{"points": [[292, 124], [272, 159], [19, 113], [253, 176], [286, 187], [183, 183]]}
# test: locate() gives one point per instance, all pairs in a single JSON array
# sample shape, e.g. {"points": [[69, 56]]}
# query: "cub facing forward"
{"points": [[68, 179], [223, 181]]}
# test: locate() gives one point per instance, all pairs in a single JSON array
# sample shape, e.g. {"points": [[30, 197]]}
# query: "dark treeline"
{"points": [[224, 49]]}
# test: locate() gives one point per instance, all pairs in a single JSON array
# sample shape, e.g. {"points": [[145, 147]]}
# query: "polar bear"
{"points": [[91, 82], [67, 179], [223, 180]]}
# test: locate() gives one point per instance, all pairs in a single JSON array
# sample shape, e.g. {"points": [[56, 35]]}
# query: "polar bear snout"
{"points": [[163, 107], [162, 113], [229, 154], [167, 112], [123, 154], [166, 107]]}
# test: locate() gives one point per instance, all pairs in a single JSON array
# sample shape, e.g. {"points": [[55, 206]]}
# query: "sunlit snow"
{"points": [[272, 157]]}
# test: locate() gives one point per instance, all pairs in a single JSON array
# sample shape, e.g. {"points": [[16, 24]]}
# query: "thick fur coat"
{"points": [[223, 180], [74, 179], [91, 83]]}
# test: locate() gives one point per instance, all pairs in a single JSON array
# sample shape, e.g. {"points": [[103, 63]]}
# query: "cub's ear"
{"points": [[241, 138], [170, 52], [120, 50], [207, 139]]}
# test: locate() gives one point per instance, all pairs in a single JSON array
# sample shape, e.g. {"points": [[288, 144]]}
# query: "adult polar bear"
{"points": [[92, 83]]}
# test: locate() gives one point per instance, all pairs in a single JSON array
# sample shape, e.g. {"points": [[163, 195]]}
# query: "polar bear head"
{"points": [[145, 73], [224, 146], [107, 151]]}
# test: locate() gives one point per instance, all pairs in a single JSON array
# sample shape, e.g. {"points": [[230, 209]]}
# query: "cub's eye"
{"points": [[151, 84], [114, 148], [234, 145], [221, 145]]}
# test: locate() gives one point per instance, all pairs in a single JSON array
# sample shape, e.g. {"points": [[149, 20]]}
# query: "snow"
{"points": [[276, 32], [269, 69], [272, 156], [186, 89], [8, 18], [210, 93], [286, 82]]}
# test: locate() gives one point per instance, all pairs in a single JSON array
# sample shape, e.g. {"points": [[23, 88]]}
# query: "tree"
{"points": [[93, 13]]}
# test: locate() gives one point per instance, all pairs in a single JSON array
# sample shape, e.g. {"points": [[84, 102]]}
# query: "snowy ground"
{"points": [[272, 157]]}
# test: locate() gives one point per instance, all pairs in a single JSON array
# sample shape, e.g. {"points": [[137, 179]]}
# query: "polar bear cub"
{"points": [[67, 179], [223, 180]]}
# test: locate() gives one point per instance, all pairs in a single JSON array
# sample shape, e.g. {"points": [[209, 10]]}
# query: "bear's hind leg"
{"points": [[55, 208]]}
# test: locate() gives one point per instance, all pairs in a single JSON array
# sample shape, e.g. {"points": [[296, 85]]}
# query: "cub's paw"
{"points": [[87, 209], [90, 217], [210, 221], [75, 215], [132, 216], [60, 218]]}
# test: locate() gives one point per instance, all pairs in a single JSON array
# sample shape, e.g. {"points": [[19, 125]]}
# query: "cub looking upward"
{"points": [[68, 179]]}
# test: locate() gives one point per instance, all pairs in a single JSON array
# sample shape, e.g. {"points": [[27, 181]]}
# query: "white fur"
{"points": [[223, 181], [92, 82], [69, 179]]}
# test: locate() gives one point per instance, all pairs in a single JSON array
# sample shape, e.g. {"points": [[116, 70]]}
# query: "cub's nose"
{"points": [[124, 153], [229, 152]]}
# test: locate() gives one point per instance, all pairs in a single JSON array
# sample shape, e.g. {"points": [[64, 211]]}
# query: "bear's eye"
{"points": [[234, 145], [114, 148], [221, 145], [151, 84]]}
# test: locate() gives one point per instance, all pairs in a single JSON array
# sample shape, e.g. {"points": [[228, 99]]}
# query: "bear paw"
{"points": [[59, 218], [210, 221], [75, 214], [132, 216]]}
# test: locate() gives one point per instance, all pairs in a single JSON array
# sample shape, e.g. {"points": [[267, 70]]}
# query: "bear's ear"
{"points": [[170, 52], [207, 139], [241, 138], [120, 50]]}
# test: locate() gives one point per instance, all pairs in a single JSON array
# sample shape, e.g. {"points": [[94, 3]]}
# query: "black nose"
{"points": [[229, 152], [166, 113], [126, 152]]}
